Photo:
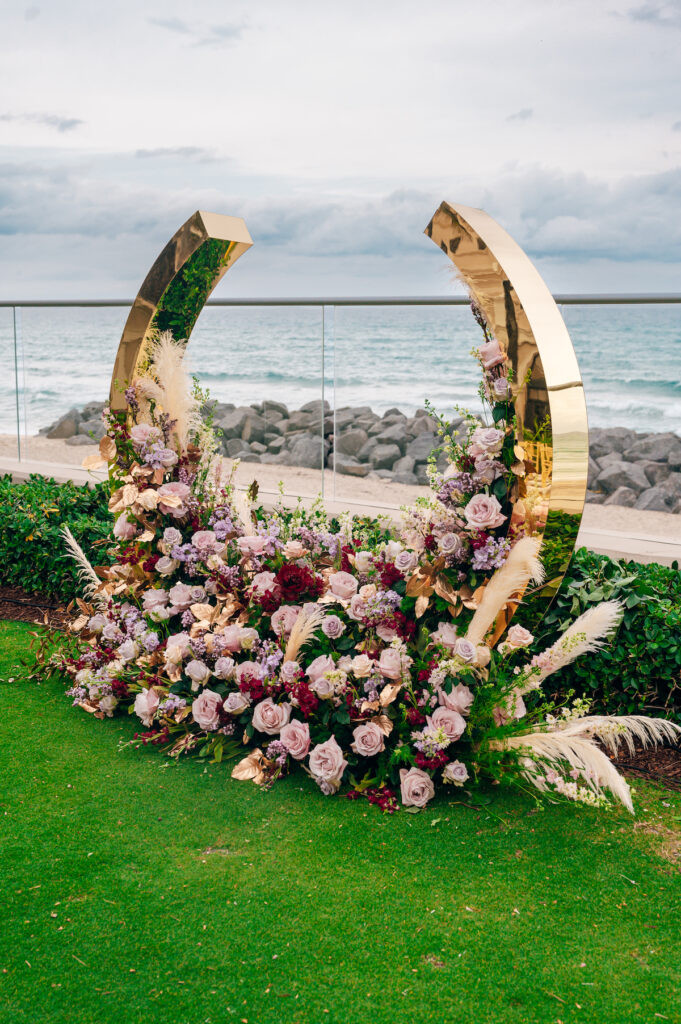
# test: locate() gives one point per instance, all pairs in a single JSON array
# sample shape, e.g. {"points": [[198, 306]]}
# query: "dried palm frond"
{"points": [[521, 566], [168, 384], [242, 506], [303, 630], [87, 576], [588, 633], [573, 743]]}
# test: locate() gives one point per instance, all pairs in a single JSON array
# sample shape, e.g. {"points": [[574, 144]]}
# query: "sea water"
{"points": [[383, 357]]}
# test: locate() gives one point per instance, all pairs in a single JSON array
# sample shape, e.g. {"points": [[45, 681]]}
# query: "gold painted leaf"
{"points": [[148, 499], [384, 724], [368, 705], [93, 462], [202, 611], [147, 536], [107, 448], [129, 495], [250, 767], [389, 693], [422, 603], [444, 589]]}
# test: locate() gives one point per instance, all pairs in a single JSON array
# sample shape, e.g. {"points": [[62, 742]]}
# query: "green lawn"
{"points": [[135, 890]]}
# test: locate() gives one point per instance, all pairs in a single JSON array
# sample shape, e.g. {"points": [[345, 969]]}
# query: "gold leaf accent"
{"points": [[202, 611], [171, 500], [444, 589], [422, 603], [389, 693], [519, 451], [368, 705], [93, 462], [107, 448], [251, 767], [148, 535], [384, 724], [129, 495], [148, 499]]}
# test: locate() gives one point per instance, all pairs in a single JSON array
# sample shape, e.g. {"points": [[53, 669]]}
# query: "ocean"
{"points": [[383, 357]]}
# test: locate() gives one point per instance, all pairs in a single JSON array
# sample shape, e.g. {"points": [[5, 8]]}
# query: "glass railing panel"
{"points": [[10, 404]]}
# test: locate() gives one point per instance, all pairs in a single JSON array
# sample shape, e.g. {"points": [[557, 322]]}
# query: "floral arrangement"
{"points": [[379, 660]]}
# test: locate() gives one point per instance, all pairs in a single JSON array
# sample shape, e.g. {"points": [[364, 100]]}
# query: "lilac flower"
{"points": [[491, 555], [150, 642]]}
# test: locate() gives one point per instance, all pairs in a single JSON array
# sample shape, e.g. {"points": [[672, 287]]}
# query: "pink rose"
{"points": [[293, 549], [491, 354], [252, 545], [386, 633], [181, 595], [206, 710], [450, 544], [486, 470], [180, 643], [416, 787], [269, 717], [501, 389], [333, 627], [406, 561], [466, 650], [224, 668], [343, 585], [390, 663], [284, 619], [295, 736], [174, 489], [357, 609], [518, 636], [455, 772], [206, 543], [362, 666], [235, 703], [144, 433], [146, 705], [123, 530], [460, 699], [263, 583], [446, 634], [486, 441], [451, 723], [483, 512], [289, 671], [198, 672], [327, 762], [166, 565], [368, 740], [324, 663], [155, 598]]}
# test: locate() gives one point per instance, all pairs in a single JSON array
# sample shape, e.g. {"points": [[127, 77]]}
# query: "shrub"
{"points": [[640, 671], [32, 550]]}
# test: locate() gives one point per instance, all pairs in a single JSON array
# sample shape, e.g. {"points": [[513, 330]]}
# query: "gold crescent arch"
{"points": [[525, 320], [176, 288]]}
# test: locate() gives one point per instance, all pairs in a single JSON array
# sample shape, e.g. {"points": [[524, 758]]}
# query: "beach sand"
{"points": [[370, 494]]}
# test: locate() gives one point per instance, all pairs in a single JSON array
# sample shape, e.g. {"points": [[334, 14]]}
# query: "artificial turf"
{"points": [[140, 890]]}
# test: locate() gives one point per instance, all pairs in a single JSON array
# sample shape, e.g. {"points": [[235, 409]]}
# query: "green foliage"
{"points": [[640, 671], [185, 296], [32, 549]]}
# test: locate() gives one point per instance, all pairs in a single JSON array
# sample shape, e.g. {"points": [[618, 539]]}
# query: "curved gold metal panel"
{"points": [[176, 288], [525, 320]]}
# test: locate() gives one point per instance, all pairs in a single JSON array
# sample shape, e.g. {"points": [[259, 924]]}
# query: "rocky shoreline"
{"points": [[626, 468]]}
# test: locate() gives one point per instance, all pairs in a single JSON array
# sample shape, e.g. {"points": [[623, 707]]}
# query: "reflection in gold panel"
{"points": [[176, 288], [549, 398]]}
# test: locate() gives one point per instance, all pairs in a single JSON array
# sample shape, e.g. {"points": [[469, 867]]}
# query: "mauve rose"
{"points": [[406, 561], [333, 627], [445, 634], [206, 543], [123, 530], [198, 672], [181, 595], [293, 549], [197, 594], [483, 512], [269, 717], [252, 545], [501, 389], [327, 761], [206, 710], [248, 670], [235, 703], [460, 699], [177, 490], [180, 642], [416, 787], [166, 566], [295, 736], [486, 441], [284, 619], [324, 663], [97, 623], [518, 636], [486, 470], [288, 671], [107, 704], [111, 631], [363, 666], [146, 704], [357, 609], [263, 583], [390, 663], [155, 598], [450, 544], [491, 354], [343, 585], [323, 687], [231, 638], [171, 536], [465, 650], [386, 633], [368, 740], [128, 650], [168, 458], [451, 723], [363, 561], [455, 772], [144, 433], [328, 786], [224, 668]]}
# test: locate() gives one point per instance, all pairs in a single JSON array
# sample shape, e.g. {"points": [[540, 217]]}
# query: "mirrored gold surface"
{"points": [[550, 405], [177, 287]]}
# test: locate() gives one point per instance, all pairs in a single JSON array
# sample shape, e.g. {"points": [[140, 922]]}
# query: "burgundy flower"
{"points": [[297, 581]]}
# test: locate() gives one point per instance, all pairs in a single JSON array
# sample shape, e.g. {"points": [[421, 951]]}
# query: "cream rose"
{"points": [[284, 619], [363, 666], [206, 710], [368, 740], [295, 736], [236, 702], [518, 636], [363, 561], [146, 705], [416, 787], [483, 512], [174, 490], [327, 762], [390, 663], [293, 549], [198, 672], [269, 717]]}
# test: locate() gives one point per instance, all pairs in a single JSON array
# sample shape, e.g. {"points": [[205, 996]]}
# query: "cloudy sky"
{"points": [[335, 128]]}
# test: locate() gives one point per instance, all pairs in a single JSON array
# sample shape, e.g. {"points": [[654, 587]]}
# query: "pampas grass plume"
{"points": [[521, 566]]}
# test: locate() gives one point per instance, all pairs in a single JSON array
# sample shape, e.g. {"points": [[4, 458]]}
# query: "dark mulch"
{"points": [[16, 605], [662, 764]]}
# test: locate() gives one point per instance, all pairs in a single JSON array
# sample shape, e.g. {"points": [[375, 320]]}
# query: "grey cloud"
{"points": [[62, 124], [31, 12], [676, 127], [173, 152], [172, 24], [667, 15], [521, 115], [208, 35]]}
